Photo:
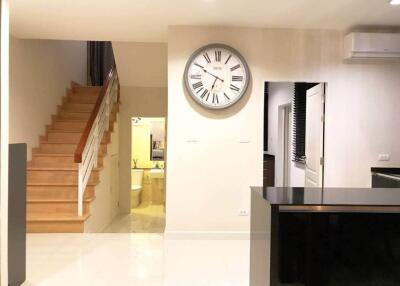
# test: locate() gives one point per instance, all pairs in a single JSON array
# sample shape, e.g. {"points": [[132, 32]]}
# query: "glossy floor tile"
{"points": [[147, 218], [134, 259]]}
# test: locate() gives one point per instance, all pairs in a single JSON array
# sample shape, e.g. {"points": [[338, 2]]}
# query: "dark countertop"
{"points": [[329, 196]]}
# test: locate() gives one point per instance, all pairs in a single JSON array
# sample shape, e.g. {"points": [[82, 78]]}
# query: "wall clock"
{"points": [[216, 76]]}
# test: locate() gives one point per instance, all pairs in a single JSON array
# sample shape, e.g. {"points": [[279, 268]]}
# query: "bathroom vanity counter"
{"points": [[331, 236]]}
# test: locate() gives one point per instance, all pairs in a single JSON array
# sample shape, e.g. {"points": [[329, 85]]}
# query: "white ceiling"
{"points": [[148, 20]]}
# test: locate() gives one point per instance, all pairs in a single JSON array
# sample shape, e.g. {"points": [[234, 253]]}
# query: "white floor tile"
{"points": [[134, 259]]}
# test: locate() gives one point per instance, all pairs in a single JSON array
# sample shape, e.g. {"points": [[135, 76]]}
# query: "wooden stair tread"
{"points": [[58, 184], [71, 120], [53, 155], [64, 131], [76, 111], [37, 201], [56, 217], [36, 168]]}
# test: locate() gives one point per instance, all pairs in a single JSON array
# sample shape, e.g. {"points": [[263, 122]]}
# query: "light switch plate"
{"points": [[384, 157]]}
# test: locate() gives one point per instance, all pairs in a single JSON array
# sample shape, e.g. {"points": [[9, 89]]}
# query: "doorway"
{"points": [[147, 174], [294, 117]]}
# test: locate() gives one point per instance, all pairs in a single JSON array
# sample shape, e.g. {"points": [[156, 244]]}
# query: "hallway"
{"points": [[147, 218]]}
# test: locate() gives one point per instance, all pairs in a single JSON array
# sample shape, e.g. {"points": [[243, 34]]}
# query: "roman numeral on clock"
{"points": [[218, 55], [207, 57], [235, 67], [234, 88], [237, 78], [197, 85], [215, 98], [199, 90], [200, 66], [205, 92], [227, 97], [227, 60], [195, 76]]}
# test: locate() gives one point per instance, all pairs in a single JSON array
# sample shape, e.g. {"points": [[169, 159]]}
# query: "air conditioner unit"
{"points": [[372, 45]]}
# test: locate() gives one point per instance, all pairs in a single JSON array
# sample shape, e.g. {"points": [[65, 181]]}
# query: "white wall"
{"points": [[4, 137], [209, 180], [135, 102], [40, 71], [105, 206], [281, 94], [141, 64]]}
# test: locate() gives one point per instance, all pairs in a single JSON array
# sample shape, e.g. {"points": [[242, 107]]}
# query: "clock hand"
{"points": [[213, 75], [212, 88]]}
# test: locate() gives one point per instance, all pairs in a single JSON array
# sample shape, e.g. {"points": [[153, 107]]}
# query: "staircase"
{"points": [[52, 182]]}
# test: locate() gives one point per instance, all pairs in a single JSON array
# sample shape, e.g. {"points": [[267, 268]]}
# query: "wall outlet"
{"points": [[384, 157], [244, 140], [243, 212]]}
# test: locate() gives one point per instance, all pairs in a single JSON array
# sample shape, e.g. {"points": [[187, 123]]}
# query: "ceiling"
{"points": [[148, 20]]}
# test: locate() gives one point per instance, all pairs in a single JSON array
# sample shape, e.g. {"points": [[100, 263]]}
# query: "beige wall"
{"points": [[105, 206], [141, 64], [135, 102], [40, 71], [208, 180]]}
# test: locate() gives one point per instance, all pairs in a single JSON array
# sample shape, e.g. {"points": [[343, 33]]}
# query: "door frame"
{"points": [[283, 154], [322, 136]]}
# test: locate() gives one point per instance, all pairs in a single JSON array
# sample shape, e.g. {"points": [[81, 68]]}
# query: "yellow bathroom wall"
{"points": [[141, 143]]}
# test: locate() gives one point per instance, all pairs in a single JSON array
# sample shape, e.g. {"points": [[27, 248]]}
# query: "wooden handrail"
{"points": [[85, 135]]}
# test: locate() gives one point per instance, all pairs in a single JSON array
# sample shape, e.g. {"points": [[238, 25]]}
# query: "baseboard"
{"points": [[207, 235]]}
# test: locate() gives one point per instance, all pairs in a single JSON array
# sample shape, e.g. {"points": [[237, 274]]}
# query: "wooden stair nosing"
{"points": [[60, 217]]}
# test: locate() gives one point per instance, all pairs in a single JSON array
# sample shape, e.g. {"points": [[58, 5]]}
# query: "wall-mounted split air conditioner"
{"points": [[372, 45]]}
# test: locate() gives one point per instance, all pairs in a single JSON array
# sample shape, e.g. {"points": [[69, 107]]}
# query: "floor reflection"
{"points": [[135, 259]]}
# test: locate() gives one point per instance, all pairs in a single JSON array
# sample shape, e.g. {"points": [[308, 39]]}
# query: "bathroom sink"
{"points": [[156, 173]]}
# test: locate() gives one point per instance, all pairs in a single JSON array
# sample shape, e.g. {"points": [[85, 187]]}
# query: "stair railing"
{"points": [[87, 151]]}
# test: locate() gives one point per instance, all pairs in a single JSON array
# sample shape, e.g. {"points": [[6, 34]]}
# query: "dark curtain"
{"points": [[100, 61], [266, 96], [299, 120]]}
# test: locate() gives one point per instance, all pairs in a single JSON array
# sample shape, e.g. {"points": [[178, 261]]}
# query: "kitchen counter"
{"points": [[331, 236]]}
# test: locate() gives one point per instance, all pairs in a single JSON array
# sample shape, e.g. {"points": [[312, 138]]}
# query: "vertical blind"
{"points": [[299, 120], [266, 96]]}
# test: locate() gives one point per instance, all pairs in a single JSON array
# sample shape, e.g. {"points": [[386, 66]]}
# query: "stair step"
{"points": [[73, 115], [73, 125], [77, 107], [42, 192], [58, 177], [59, 136], [82, 98], [57, 160], [64, 148], [56, 223], [60, 207], [87, 89]]}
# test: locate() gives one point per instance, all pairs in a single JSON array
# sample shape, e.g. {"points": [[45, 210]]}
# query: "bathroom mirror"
{"points": [[156, 149], [157, 141]]}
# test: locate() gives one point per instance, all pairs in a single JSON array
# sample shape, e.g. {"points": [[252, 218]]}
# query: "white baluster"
{"points": [[80, 190]]}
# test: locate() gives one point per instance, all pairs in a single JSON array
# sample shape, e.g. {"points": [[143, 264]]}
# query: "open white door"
{"points": [[315, 136]]}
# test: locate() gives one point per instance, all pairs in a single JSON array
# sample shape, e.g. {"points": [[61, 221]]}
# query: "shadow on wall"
{"points": [[219, 114]]}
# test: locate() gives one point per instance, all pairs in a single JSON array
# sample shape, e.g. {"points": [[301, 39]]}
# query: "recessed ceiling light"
{"points": [[394, 2]]}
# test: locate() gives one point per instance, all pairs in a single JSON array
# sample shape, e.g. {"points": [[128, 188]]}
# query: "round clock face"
{"points": [[216, 76]]}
